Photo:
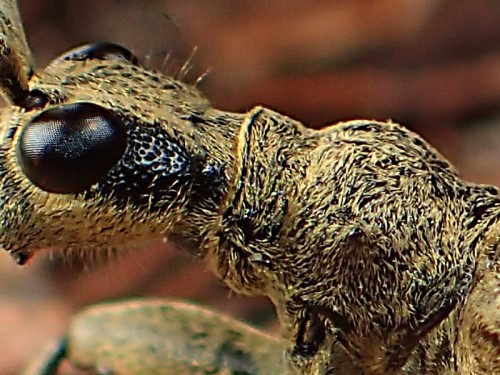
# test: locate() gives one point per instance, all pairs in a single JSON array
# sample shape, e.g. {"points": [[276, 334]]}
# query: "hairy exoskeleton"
{"points": [[378, 257]]}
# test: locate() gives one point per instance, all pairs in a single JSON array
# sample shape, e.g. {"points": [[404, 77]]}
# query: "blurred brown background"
{"points": [[433, 65]]}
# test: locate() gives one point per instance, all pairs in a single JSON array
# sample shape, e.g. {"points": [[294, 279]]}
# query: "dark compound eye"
{"points": [[99, 51], [65, 150]]}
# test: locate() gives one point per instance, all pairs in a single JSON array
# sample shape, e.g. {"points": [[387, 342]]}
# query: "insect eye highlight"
{"points": [[66, 149]]}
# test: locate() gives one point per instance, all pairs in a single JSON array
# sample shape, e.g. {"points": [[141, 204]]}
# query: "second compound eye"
{"points": [[65, 150], [99, 51]]}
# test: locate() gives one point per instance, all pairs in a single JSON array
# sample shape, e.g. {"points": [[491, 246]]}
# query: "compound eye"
{"points": [[65, 150], [99, 51]]}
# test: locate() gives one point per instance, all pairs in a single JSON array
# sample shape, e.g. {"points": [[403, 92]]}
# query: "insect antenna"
{"points": [[16, 61]]}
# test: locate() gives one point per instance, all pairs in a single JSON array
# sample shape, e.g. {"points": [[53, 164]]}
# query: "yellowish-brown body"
{"points": [[378, 257]]}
